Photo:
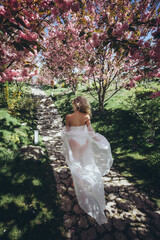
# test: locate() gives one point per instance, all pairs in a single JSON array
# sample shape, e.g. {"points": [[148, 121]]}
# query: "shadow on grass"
{"points": [[29, 201], [9, 127], [127, 136], [122, 128]]}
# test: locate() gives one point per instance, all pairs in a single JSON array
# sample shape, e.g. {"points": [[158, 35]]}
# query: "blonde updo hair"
{"points": [[82, 104]]}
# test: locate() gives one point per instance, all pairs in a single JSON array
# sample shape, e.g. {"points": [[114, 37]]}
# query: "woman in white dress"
{"points": [[88, 155]]}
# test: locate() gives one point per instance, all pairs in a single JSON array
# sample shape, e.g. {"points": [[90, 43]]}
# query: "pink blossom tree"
{"points": [[86, 40], [74, 27], [22, 25]]}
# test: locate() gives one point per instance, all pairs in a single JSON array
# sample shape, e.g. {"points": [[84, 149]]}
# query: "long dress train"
{"points": [[88, 155]]}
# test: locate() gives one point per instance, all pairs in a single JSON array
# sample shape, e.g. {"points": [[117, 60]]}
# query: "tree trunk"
{"points": [[101, 107], [116, 85], [101, 101]]}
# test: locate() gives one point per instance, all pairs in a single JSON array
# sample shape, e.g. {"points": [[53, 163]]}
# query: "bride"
{"points": [[88, 155]]}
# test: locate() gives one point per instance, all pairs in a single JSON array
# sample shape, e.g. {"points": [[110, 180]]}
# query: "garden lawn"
{"points": [[136, 158], [29, 203]]}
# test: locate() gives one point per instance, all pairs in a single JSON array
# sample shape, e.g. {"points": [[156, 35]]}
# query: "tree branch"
{"points": [[112, 94]]}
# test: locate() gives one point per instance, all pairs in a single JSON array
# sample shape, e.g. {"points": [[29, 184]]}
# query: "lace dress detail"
{"points": [[88, 155]]}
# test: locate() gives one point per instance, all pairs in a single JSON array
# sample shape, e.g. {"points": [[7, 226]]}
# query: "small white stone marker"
{"points": [[36, 136]]}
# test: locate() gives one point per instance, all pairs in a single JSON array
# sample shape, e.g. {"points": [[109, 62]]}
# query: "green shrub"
{"points": [[147, 109], [46, 87], [142, 92], [153, 162], [25, 109], [56, 86], [63, 85]]}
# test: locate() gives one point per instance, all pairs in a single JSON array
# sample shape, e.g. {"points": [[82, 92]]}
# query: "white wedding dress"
{"points": [[88, 155]]}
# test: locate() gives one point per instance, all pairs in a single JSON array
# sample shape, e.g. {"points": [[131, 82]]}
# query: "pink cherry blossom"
{"points": [[158, 20], [87, 18], [75, 6], [55, 11], [152, 53], [2, 10], [14, 4], [147, 44], [26, 13], [28, 36], [117, 31], [139, 77], [125, 26], [1, 80], [96, 40], [76, 42], [27, 23], [24, 72], [36, 72], [157, 75], [140, 43]]}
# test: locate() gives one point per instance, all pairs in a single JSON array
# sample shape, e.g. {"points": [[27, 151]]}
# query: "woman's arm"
{"points": [[87, 120], [90, 129]]}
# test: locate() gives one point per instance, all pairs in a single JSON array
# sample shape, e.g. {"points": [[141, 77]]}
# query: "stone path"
{"points": [[131, 215]]}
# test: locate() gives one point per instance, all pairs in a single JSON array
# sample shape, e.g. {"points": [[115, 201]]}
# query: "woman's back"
{"points": [[77, 119]]}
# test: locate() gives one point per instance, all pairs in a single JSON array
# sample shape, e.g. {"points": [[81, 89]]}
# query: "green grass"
{"points": [[12, 132], [52, 91], [134, 156], [29, 203]]}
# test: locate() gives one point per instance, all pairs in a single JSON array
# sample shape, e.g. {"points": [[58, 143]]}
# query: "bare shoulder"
{"points": [[68, 117]]}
